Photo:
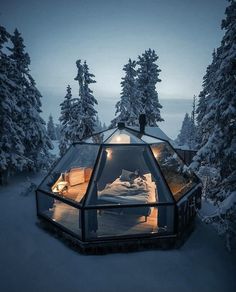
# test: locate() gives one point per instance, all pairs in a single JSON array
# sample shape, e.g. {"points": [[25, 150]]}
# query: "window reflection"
{"points": [[179, 178], [70, 178]]}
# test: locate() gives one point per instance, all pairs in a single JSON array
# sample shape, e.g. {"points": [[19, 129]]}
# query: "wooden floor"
{"points": [[109, 223], [113, 223]]}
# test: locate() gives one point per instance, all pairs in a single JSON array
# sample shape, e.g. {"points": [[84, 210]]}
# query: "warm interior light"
{"points": [[109, 153], [121, 138], [59, 186], [156, 153]]}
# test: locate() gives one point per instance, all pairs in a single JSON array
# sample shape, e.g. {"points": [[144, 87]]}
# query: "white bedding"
{"points": [[139, 191]]}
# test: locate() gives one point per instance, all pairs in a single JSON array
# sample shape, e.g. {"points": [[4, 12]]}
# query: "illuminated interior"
{"points": [[73, 184], [128, 184]]}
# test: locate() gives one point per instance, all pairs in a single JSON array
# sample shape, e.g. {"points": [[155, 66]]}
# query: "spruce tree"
{"points": [[11, 145], [84, 113], [57, 130], [207, 103], [51, 130], [147, 79], [193, 114], [35, 138], [218, 126], [193, 128], [183, 138], [65, 120], [128, 107], [98, 127]]}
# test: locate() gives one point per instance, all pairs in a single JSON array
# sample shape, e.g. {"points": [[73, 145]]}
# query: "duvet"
{"points": [[124, 192]]}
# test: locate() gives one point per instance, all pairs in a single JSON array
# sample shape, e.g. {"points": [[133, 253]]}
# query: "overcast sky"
{"points": [[106, 33]]}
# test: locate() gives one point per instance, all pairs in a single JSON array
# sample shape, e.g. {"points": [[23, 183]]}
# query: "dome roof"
{"points": [[125, 135]]}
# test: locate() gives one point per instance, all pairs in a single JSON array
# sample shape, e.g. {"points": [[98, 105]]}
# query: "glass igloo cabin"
{"points": [[120, 186]]}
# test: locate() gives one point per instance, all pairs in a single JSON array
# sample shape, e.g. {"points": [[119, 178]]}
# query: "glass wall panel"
{"points": [[71, 176], [123, 137], [179, 178], [150, 140], [127, 175], [129, 221], [100, 137], [63, 214]]}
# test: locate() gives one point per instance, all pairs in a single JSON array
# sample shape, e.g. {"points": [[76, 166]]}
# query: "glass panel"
{"points": [[71, 176], [128, 221], [100, 137], [150, 140], [123, 137], [179, 178], [127, 175], [63, 214]]}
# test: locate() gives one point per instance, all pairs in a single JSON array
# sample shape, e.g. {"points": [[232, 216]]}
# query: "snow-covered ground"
{"points": [[33, 260]]}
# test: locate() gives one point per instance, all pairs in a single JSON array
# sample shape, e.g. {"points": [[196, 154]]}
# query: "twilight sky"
{"points": [[106, 33]]}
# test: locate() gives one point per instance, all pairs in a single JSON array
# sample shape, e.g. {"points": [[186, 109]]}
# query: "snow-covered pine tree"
{"points": [[206, 103], [84, 113], [193, 128], [183, 138], [193, 114], [147, 78], [128, 107], [11, 144], [77, 123], [65, 120], [98, 127], [38, 143], [57, 131], [51, 130], [218, 145], [35, 139]]}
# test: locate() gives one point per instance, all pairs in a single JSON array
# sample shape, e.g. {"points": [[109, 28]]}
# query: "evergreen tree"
{"points": [[51, 130], [183, 138], [65, 120], [58, 131], [84, 113], [206, 104], [128, 108], [193, 114], [35, 139], [193, 128], [11, 144], [66, 108], [218, 125], [99, 126], [147, 78]]}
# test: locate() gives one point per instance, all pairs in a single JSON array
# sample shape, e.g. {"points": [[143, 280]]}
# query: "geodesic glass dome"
{"points": [[120, 183]]}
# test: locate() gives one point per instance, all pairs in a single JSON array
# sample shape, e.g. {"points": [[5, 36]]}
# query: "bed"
{"points": [[130, 190]]}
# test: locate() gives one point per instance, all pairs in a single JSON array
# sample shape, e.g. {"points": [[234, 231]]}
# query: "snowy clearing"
{"points": [[33, 260]]}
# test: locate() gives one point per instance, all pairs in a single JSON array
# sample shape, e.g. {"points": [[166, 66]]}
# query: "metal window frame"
{"points": [[85, 239], [83, 207]]}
